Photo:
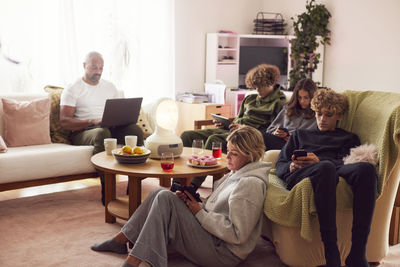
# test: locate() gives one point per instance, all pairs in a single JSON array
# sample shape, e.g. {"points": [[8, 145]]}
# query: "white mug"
{"points": [[110, 144], [131, 140]]}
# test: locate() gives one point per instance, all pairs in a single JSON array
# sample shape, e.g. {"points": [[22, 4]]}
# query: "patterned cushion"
{"points": [[144, 124], [57, 134]]}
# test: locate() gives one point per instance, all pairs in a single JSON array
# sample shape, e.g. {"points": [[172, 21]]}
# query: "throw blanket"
{"points": [[375, 117]]}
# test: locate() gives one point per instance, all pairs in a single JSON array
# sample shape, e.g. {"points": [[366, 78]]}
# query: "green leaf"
{"points": [[306, 27]]}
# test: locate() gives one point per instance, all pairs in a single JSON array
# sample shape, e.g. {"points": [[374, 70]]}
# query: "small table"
{"points": [[124, 207]]}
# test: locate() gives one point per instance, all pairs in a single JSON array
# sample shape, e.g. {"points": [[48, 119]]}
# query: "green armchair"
{"points": [[290, 217]]}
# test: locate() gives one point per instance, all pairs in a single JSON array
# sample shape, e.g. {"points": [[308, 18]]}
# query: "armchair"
{"points": [[290, 220]]}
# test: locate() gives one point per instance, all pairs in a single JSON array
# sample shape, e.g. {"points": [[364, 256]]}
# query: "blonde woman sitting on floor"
{"points": [[221, 231]]}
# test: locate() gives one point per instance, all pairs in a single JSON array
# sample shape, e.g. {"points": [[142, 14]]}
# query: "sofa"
{"points": [[290, 217], [52, 162]]}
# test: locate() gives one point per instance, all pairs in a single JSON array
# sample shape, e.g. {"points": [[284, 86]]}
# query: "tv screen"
{"points": [[251, 56]]}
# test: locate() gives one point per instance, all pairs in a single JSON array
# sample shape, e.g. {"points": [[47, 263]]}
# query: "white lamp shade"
{"points": [[166, 114]]}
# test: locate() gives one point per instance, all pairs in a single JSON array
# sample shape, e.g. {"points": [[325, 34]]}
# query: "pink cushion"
{"points": [[26, 123]]}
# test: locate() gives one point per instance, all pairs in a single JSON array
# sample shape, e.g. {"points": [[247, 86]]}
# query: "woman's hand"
{"points": [[300, 162], [286, 138], [191, 203], [181, 195], [281, 134]]}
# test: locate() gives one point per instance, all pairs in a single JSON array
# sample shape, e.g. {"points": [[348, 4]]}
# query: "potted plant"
{"points": [[307, 27]]}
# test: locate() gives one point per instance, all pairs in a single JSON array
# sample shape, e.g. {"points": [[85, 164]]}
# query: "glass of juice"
{"points": [[217, 150], [167, 161]]}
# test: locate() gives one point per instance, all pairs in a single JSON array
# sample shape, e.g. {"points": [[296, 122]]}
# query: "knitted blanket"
{"points": [[375, 117]]}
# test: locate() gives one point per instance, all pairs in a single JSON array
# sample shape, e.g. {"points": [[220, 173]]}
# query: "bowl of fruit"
{"points": [[131, 155]]}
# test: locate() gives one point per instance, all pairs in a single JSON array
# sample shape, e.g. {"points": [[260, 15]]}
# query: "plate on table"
{"points": [[202, 166]]}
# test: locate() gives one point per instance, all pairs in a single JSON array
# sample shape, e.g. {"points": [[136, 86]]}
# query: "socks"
{"points": [[356, 257], [360, 262], [110, 246], [332, 255], [359, 238]]}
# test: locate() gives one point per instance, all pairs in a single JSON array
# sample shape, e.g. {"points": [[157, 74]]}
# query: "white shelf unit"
{"points": [[222, 56], [228, 45]]}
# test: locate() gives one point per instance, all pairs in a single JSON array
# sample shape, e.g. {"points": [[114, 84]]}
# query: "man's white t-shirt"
{"points": [[88, 100]]}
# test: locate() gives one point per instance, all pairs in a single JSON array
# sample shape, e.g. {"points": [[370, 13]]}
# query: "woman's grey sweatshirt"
{"points": [[233, 212]]}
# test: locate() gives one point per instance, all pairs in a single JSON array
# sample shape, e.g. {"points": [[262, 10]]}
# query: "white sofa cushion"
{"points": [[42, 161]]}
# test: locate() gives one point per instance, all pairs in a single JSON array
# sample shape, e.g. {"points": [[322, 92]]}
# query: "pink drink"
{"points": [[167, 166], [217, 153]]}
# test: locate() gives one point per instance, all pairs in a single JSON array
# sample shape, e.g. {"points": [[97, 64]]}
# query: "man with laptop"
{"points": [[82, 106]]}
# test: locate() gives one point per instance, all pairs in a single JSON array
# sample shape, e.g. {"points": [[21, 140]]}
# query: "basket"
{"points": [[269, 23]]}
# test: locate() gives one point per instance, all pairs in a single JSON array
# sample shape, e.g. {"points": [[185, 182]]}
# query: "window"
{"points": [[50, 39]]}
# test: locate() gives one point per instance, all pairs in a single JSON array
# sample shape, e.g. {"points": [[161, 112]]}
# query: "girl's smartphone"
{"points": [[284, 129]]}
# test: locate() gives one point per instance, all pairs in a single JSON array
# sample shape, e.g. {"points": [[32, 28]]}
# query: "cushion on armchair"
{"points": [[296, 207]]}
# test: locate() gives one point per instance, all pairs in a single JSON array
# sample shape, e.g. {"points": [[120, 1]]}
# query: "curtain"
{"points": [[45, 42]]}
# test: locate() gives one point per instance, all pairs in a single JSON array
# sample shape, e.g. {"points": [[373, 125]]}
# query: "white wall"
{"points": [[365, 49], [193, 20], [364, 53]]}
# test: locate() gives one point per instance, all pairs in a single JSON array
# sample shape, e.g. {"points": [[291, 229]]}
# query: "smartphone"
{"points": [[284, 129], [299, 153]]}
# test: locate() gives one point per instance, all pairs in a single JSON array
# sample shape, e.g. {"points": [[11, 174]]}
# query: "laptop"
{"points": [[121, 111]]}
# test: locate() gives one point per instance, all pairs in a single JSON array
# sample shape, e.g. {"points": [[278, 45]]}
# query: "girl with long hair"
{"points": [[297, 114]]}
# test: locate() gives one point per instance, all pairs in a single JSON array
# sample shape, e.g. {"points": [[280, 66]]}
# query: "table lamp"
{"points": [[164, 114]]}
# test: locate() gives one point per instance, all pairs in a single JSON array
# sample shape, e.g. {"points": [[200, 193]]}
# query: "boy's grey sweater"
{"points": [[233, 212]]}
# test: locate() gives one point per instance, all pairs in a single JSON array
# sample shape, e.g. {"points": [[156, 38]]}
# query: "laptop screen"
{"points": [[121, 111]]}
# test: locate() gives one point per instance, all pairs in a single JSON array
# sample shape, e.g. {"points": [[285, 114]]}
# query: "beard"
{"points": [[95, 77]]}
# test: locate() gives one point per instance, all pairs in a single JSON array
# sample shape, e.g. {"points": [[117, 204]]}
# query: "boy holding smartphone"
{"points": [[323, 164]]}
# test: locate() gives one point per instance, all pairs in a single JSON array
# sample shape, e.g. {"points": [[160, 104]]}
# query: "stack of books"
{"points": [[269, 24], [196, 98]]}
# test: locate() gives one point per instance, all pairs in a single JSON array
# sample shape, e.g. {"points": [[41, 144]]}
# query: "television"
{"points": [[251, 56]]}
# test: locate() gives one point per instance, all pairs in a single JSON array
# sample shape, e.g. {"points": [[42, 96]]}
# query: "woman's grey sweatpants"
{"points": [[164, 219]]}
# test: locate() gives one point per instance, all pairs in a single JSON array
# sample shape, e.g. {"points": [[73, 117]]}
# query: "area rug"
{"points": [[58, 229]]}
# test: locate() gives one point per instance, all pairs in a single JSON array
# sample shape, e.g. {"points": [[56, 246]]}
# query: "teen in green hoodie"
{"points": [[257, 110]]}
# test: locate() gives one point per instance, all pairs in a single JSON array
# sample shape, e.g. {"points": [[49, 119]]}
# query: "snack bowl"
{"points": [[131, 158]]}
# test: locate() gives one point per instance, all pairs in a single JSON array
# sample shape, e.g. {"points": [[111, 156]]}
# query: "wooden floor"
{"points": [[78, 184], [52, 188], [393, 256]]}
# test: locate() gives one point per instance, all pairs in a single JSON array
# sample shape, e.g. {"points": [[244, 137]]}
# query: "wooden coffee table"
{"points": [[123, 207]]}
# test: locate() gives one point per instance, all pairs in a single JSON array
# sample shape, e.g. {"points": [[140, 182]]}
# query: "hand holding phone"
{"points": [[284, 129], [223, 120], [299, 153]]}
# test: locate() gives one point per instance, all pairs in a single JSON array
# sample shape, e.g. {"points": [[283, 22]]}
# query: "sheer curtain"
{"points": [[50, 38]]}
